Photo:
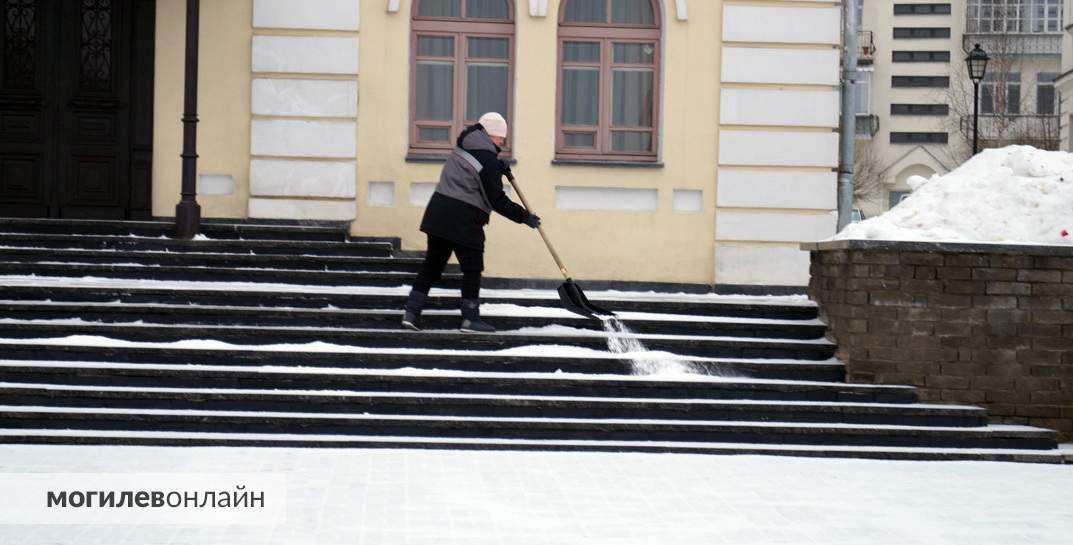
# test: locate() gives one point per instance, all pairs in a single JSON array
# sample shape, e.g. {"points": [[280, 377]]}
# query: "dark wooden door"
{"points": [[76, 104]]}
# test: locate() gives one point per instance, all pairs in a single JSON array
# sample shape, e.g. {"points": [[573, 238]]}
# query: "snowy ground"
{"points": [[387, 497]]}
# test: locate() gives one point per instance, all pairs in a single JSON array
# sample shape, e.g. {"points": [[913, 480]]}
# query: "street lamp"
{"points": [[977, 63]]}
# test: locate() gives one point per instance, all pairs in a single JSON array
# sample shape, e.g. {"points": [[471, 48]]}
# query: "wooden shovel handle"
{"points": [[543, 235]]}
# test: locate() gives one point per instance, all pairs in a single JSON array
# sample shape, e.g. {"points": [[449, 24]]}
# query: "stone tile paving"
{"points": [[415, 497]]}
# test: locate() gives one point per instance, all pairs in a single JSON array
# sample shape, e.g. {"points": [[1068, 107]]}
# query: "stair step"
{"points": [[1015, 437], [91, 375], [211, 274], [151, 438], [129, 243], [685, 345], [336, 401], [210, 229], [502, 316], [321, 356], [286, 295], [282, 264]]}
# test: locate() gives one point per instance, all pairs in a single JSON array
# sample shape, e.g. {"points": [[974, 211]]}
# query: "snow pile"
{"points": [[1016, 194]]}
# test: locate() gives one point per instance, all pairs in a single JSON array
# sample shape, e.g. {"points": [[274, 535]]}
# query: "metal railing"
{"points": [[867, 126], [866, 47], [1010, 43], [1041, 131]]}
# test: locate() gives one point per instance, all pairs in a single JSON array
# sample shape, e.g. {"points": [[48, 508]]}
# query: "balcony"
{"points": [[866, 47], [867, 126], [1015, 43], [1040, 131]]}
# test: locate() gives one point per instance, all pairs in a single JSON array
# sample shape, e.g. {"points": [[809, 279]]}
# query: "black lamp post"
{"points": [[188, 212], [977, 63]]}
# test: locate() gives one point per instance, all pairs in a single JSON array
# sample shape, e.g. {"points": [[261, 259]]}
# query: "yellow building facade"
{"points": [[305, 113]]}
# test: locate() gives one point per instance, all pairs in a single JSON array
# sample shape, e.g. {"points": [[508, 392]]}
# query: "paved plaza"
{"points": [[388, 497]]}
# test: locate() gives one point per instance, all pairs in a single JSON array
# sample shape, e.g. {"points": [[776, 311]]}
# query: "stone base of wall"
{"points": [[980, 324]]}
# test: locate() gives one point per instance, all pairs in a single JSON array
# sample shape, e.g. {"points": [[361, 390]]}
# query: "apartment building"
{"points": [[915, 100]]}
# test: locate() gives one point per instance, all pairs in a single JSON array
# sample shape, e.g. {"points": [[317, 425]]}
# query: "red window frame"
{"points": [[607, 34], [460, 29]]}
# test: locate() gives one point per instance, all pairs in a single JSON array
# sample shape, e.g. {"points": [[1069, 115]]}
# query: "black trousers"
{"points": [[471, 262]]}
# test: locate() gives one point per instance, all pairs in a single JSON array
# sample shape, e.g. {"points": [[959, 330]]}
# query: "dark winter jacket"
{"points": [[470, 188]]}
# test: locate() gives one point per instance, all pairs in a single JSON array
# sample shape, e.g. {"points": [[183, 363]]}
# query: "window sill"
{"points": [[435, 158], [608, 163]]}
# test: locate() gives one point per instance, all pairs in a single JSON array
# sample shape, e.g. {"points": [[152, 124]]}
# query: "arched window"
{"points": [[462, 67], [608, 92]]}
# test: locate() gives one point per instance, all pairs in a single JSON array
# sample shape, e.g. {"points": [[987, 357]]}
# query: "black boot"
{"points": [[411, 318], [471, 318]]}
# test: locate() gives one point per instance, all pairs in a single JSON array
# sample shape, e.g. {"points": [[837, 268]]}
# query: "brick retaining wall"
{"points": [[981, 324]]}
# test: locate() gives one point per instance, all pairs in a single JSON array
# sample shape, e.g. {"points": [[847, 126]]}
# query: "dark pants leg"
{"points": [[471, 262], [439, 251]]}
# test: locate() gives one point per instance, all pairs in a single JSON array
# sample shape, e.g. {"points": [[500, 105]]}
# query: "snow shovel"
{"points": [[570, 293]]}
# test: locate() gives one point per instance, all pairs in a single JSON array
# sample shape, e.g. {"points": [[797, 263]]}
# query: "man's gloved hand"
{"points": [[533, 220], [505, 169]]}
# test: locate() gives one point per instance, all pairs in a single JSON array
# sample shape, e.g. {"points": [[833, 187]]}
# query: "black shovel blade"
{"points": [[574, 300]]}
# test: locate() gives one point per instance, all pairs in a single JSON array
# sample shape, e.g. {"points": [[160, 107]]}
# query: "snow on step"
{"points": [[551, 331], [993, 429], [665, 379], [487, 310], [402, 290], [447, 442], [714, 403]]}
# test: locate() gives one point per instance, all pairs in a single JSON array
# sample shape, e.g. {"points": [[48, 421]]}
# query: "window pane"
{"points": [[489, 48], [634, 53], [1045, 99], [632, 12], [987, 99], [486, 89], [1013, 99], [580, 140], [586, 11], [581, 100], [487, 9], [434, 134], [581, 52], [435, 46], [440, 8], [435, 91], [631, 141], [631, 98]]}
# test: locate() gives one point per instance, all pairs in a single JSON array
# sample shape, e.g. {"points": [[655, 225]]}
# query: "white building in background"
{"points": [[914, 107]]}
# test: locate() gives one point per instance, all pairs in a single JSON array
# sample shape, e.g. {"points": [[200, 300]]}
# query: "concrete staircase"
{"points": [[286, 335]]}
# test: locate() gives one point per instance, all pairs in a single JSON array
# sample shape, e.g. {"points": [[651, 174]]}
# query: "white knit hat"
{"points": [[494, 124]]}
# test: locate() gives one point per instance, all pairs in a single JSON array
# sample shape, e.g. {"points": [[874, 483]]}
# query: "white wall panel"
{"points": [[606, 198], [297, 97], [302, 178], [780, 107], [761, 264], [781, 24], [688, 200], [420, 193], [289, 138], [302, 209], [770, 227], [311, 14], [302, 54], [777, 189], [215, 184], [773, 65], [817, 149], [381, 194]]}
